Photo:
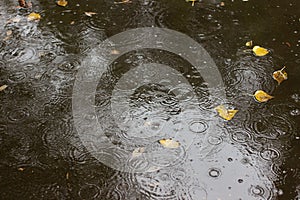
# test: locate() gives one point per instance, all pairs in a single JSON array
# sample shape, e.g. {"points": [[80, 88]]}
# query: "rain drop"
{"points": [[214, 172]]}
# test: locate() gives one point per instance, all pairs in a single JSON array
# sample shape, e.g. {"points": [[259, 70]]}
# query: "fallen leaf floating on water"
{"points": [[138, 151], [115, 52], [21, 169], [3, 87], [34, 16], [262, 96], [90, 14], [123, 1], [169, 143], [280, 75], [249, 44], [260, 51], [224, 113], [62, 3], [193, 2]]}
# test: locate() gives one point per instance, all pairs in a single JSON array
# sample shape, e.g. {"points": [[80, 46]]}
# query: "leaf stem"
{"points": [[282, 68]]}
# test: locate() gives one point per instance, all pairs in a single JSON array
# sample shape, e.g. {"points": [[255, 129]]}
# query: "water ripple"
{"points": [[214, 172], [214, 140], [241, 136], [271, 127], [206, 25], [89, 191], [270, 154], [197, 126], [18, 115], [21, 55], [178, 174], [159, 186], [163, 157], [17, 77], [69, 64]]}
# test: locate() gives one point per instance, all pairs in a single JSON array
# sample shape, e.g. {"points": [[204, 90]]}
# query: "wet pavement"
{"points": [[253, 156]]}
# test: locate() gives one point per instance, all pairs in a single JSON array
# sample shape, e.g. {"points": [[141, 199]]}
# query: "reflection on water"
{"points": [[254, 156]]}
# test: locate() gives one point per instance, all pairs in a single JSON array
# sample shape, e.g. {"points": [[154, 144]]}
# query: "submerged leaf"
{"points": [[249, 44], [224, 113], [123, 1], [34, 16], [115, 52], [3, 87], [260, 51], [21, 169], [62, 3], [90, 14], [280, 75], [8, 33], [138, 151], [262, 96], [169, 143]]}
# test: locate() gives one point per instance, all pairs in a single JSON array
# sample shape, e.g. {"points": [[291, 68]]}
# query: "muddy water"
{"points": [[253, 156]]}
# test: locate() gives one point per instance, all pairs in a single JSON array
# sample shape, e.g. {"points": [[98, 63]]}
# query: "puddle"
{"points": [[146, 95]]}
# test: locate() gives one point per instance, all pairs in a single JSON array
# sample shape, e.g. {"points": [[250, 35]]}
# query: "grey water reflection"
{"points": [[254, 156]]}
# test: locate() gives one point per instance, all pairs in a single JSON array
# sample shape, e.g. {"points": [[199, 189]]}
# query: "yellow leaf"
{"points": [[224, 113], [169, 143], [262, 96], [260, 51], [249, 44], [280, 75], [3, 87], [62, 3], [193, 1], [90, 14], [34, 16]]}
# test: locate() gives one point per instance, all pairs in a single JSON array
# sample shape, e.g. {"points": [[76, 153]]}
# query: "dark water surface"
{"points": [[253, 156]]}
